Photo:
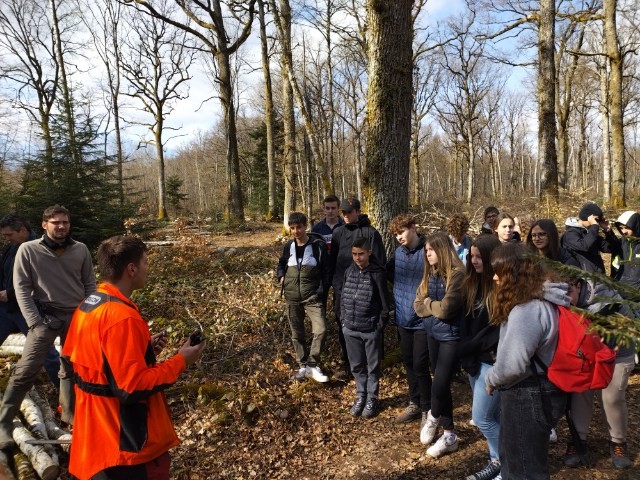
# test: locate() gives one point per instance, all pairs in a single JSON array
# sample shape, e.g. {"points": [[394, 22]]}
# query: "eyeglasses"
{"points": [[539, 235]]}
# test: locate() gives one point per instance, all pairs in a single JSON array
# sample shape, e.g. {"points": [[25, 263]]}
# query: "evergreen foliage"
{"points": [[174, 195], [258, 181], [86, 186]]}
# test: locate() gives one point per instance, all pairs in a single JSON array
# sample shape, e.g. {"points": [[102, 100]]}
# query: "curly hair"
{"points": [[458, 226], [520, 279], [480, 283], [400, 222], [448, 260], [553, 247]]}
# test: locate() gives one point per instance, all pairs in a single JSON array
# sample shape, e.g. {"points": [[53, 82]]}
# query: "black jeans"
{"points": [[444, 360], [525, 426], [414, 346], [343, 345]]}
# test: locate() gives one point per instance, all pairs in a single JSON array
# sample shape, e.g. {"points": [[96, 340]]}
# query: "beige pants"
{"points": [[612, 399]]}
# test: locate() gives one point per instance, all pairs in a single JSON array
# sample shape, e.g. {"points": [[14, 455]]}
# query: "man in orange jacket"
{"points": [[122, 424]]}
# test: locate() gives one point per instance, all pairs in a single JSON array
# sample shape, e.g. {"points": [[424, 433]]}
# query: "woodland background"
{"points": [[399, 102]]}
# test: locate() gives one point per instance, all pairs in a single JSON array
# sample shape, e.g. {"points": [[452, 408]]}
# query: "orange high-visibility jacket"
{"points": [[121, 416]]}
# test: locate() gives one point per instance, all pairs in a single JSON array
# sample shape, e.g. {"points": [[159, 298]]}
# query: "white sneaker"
{"points": [[447, 443], [429, 429], [316, 374], [301, 374], [472, 423], [553, 436]]}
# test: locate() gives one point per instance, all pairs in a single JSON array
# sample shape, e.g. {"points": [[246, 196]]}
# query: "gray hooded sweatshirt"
{"points": [[531, 328]]}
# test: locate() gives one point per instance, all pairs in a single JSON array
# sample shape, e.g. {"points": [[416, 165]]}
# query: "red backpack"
{"points": [[581, 361]]}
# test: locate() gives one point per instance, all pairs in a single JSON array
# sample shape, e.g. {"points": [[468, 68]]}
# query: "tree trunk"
{"points": [[162, 192], [618, 184], [546, 102], [389, 100], [289, 156], [269, 118], [606, 134]]}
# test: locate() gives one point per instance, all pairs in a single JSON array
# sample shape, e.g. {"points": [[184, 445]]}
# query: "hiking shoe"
{"points": [[429, 429], [301, 374], [553, 436], [571, 457], [371, 409], [447, 443], [409, 414], [620, 455], [316, 374], [358, 407], [487, 473], [6, 440]]}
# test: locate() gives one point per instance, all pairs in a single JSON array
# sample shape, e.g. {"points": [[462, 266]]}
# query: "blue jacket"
{"points": [[405, 270], [442, 308]]}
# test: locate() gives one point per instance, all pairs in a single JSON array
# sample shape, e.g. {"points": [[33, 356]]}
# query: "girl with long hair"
{"points": [[544, 239], [506, 228], [524, 306], [439, 302], [477, 348]]}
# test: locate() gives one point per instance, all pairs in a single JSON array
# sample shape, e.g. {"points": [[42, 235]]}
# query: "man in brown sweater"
{"points": [[52, 276]]}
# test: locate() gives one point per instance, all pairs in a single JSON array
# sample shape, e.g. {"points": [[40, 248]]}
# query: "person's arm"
{"points": [[483, 341], [88, 276], [611, 244], [391, 268], [124, 346], [284, 259], [335, 248], [23, 285], [325, 270], [377, 246], [573, 240], [450, 304], [383, 291]]}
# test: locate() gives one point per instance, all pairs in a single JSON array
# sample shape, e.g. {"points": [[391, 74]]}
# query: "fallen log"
{"points": [[34, 418], [24, 470], [42, 463], [54, 432]]}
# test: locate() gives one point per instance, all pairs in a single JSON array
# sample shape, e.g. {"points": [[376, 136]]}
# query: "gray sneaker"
{"points": [[620, 455], [409, 414], [429, 429]]}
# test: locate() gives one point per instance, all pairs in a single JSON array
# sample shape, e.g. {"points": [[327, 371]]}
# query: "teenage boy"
{"points": [[303, 271], [405, 269], [583, 241], [364, 311], [331, 220], [356, 225], [628, 262]]}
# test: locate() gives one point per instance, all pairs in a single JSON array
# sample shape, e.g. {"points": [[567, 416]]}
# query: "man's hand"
{"points": [[3, 296], [490, 390], [604, 225], [190, 353], [159, 341], [593, 220]]}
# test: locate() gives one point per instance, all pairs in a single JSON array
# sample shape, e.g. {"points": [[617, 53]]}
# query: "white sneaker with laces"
{"points": [[429, 429], [316, 374], [447, 443], [301, 374]]}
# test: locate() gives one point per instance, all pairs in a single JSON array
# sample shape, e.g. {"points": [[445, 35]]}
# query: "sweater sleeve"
{"points": [[284, 259], [88, 276], [23, 285], [446, 308]]}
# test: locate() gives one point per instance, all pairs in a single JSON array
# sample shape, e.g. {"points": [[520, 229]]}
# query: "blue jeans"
{"points": [[485, 410], [14, 322], [524, 428]]}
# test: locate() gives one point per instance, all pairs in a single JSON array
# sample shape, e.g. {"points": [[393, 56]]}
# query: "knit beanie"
{"points": [[589, 209]]}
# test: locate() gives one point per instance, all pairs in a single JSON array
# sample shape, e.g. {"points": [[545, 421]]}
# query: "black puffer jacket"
{"points": [[341, 242], [586, 244], [309, 278], [364, 304]]}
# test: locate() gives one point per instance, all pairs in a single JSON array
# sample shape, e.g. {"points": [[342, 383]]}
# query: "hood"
{"points": [[631, 220], [573, 222], [596, 297], [315, 237], [363, 221], [373, 268], [556, 293]]}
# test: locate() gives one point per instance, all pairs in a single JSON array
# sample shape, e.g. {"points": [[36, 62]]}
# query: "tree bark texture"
{"points": [[614, 55], [546, 101], [389, 100]]}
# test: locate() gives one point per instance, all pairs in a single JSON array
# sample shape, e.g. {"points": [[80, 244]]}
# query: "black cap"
{"points": [[350, 203], [589, 209]]}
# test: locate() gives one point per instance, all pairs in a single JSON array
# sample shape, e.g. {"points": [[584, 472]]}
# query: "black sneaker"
{"points": [[571, 457], [371, 409], [358, 407], [491, 471], [620, 455]]}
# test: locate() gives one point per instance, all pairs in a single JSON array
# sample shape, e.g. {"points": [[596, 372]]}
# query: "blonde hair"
{"points": [[448, 260]]}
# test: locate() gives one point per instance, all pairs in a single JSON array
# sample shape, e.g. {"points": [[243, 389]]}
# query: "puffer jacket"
{"points": [[309, 278], [405, 270], [441, 308], [342, 241], [364, 304]]}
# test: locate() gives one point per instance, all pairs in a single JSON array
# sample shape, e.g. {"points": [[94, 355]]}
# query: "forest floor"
{"points": [[239, 415]]}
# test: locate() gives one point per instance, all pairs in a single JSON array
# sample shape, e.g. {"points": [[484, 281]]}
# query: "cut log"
{"points": [[24, 470], [42, 463], [34, 419], [14, 345], [5, 469], [53, 430]]}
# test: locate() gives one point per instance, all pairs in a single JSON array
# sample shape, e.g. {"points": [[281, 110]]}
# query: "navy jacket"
{"points": [[586, 244], [405, 269]]}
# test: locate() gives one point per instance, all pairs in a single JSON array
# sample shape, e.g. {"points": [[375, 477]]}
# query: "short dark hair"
{"points": [[115, 253], [331, 199], [361, 242], [15, 221], [297, 217], [54, 210]]}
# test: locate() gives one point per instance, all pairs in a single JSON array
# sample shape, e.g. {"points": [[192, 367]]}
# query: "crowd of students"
{"points": [[487, 306]]}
